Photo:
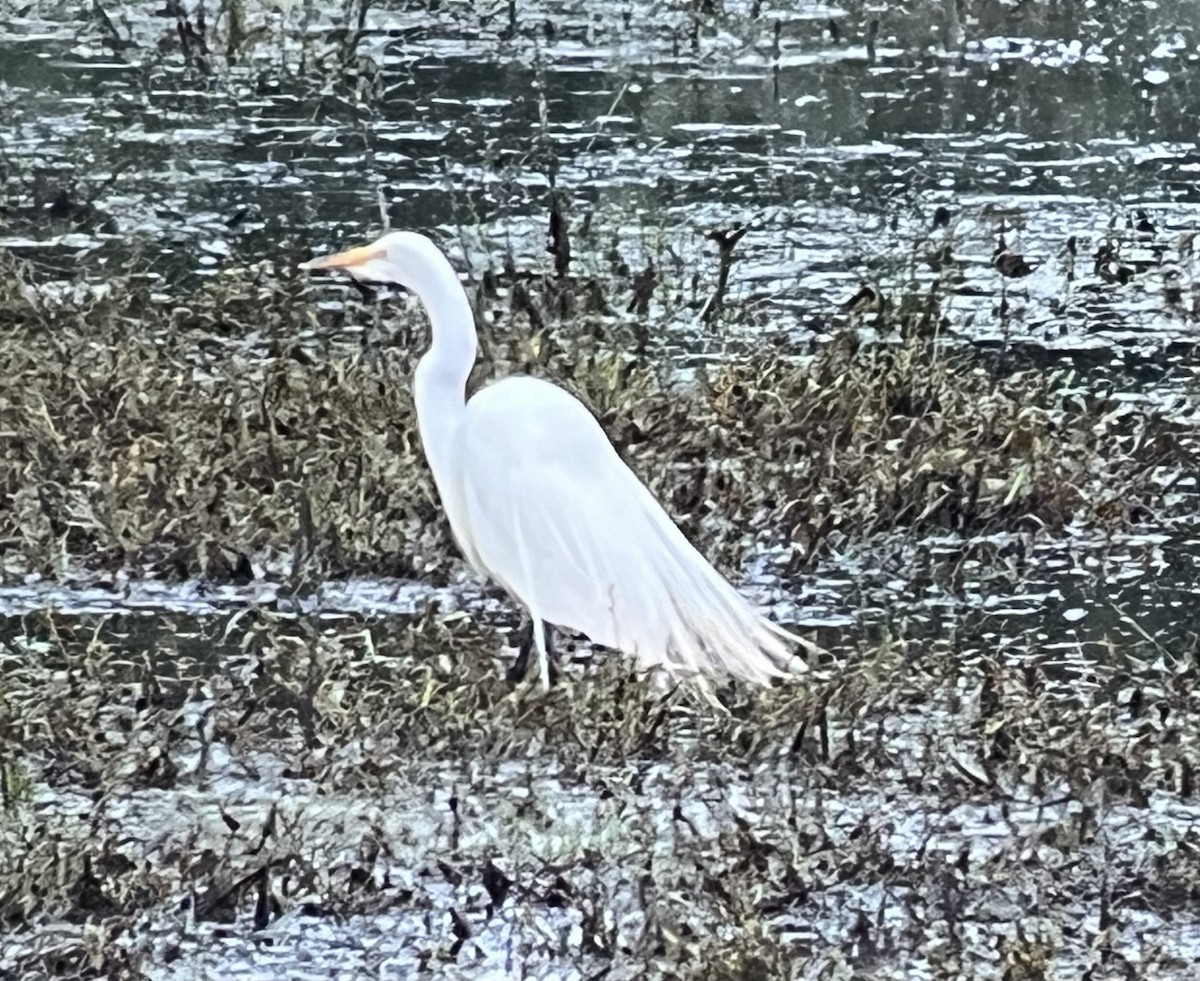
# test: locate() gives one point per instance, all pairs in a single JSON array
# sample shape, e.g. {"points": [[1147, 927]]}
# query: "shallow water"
{"points": [[461, 122], [540, 862], [431, 864], [1037, 593]]}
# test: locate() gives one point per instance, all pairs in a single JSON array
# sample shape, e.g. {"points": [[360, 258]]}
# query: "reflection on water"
{"points": [[835, 140], [657, 128], [542, 862], [1029, 594]]}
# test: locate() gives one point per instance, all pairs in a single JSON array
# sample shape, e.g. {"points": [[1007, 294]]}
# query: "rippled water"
{"points": [[545, 864], [836, 144], [1079, 591], [1055, 124]]}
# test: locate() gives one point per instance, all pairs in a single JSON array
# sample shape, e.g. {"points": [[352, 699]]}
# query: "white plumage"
{"points": [[539, 500]]}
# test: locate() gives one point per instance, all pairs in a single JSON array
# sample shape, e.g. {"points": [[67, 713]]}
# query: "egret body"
{"points": [[540, 501]]}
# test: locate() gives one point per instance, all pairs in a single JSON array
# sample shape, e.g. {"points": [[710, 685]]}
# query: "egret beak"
{"points": [[353, 261]]}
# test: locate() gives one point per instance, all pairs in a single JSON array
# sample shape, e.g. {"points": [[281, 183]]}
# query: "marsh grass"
{"points": [[236, 426], [958, 807], [257, 425], [720, 839]]}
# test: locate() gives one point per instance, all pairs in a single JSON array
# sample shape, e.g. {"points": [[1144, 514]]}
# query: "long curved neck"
{"points": [[439, 386]]}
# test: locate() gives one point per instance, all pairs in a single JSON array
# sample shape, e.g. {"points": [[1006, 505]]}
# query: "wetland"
{"points": [[893, 306]]}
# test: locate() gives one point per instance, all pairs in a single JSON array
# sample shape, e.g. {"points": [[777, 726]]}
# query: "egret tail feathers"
{"points": [[709, 624]]}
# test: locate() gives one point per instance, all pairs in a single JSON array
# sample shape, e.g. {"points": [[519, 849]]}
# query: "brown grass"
{"points": [[375, 715], [233, 424]]}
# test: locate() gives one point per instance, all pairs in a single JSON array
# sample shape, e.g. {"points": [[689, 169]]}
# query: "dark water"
{"points": [[657, 128], [1077, 594], [594, 850]]}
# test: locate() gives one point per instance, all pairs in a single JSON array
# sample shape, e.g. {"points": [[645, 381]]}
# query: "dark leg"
{"points": [[520, 667], [517, 670]]}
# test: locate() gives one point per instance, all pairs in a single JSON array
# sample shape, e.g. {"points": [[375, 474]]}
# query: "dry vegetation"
{"points": [[282, 792], [201, 434], [387, 771]]}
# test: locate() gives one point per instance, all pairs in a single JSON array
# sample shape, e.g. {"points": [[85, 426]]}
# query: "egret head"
{"points": [[406, 259]]}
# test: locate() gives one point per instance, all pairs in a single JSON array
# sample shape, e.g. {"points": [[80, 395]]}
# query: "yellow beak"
{"points": [[349, 260]]}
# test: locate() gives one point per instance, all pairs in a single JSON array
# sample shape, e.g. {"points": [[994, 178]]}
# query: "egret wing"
{"points": [[560, 521]]}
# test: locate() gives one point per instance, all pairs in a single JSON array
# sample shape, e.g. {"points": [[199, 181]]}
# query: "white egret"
{"points": [[539, 500]]}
